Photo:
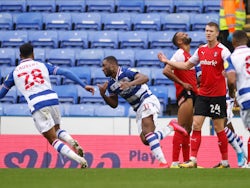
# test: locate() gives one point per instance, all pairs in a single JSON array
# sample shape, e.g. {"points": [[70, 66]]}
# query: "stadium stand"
{"points": [[133, 39], [130, 6], [67, 93], [16, 109], [6, 21], [72, 39], [71, 6], [57, 21], [100, 6], [103, 39], [7, 57], [89, 57], [166, 6], [161, 39], [41, 6], [117, 21], [212, 6], [80, 110], [61, 56], [13, 6], [149, 21], [147, 58], [82, 72], [86, 21], [189, 6], [175, 21], [125, 57], [25, 21], [10, 97], [13, 38], [43, 38], [107, 111]]}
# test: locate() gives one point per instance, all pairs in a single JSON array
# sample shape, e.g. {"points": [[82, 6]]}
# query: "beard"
{"points": [[187, 40]]}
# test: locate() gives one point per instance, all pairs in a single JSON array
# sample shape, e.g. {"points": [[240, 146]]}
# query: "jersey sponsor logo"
{"points": [[206, 62]]}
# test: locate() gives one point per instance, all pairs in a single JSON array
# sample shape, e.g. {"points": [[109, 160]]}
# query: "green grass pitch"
{"points": [[124, 178]]}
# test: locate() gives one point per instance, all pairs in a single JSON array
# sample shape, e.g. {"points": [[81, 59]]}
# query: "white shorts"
{"points": [[230, 114], [150, 106], [245, 116], [46, 118]]}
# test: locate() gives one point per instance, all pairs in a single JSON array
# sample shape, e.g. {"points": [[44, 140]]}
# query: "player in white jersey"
{"points": [[238, 73], [131, 85], [32, 79]]}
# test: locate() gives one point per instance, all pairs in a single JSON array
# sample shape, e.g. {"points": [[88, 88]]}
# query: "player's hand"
{"points": [[162, 57], [124, 85], [102, 88], [187, 86], [90, 89]]}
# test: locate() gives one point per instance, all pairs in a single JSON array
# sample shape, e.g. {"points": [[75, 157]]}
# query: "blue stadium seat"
{"points": [[86, 97], [97, 76], [147, 21], [28, 20], [161, 92], [20, 97], [16, 109], [147, 58], [117, 21], [212, 6], [59, 21], [100, 6], [161, 39], [41, 6], [103, 39], [199, 21], [56, 80], [73, 39], [39, 54], [71, 6], [125, 57], [10, 97], [171, 93], [133, 39], [146, 71], [130, 6], [165, 6], [67, 93], [13, 38], [43, 38], [198, 38], [89, 57], [158, 78], [6, 21], [60, 56], [188, 6], [80, 110], [86, 21], [82, 72], [131, 112], [13, 5], [7, 57], [175, 21], [107, 111], [6, 70]]}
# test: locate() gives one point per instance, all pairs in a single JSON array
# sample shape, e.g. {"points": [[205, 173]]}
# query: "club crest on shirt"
{"points": [[215, 54]]}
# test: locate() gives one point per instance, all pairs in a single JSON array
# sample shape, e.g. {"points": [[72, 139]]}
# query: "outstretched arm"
{"points": [[178, 65], [75, 78], [7, 84]]}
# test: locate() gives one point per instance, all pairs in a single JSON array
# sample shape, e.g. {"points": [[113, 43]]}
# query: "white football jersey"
{"points": [[239, 62]]}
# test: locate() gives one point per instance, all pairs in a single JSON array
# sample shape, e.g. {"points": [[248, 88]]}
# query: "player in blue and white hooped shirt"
{"points": [[237, 68], [32, 79], [131, 85]]}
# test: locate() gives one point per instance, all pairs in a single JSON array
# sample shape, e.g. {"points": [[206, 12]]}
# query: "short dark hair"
{"points": [[213, 24], [26, 50], [111, 59], [174, 39], [240, 37]]}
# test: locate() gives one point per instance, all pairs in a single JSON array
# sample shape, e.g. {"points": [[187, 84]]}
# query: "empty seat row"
{"points": [[110, 5], [106, 21], [96, 39]]}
